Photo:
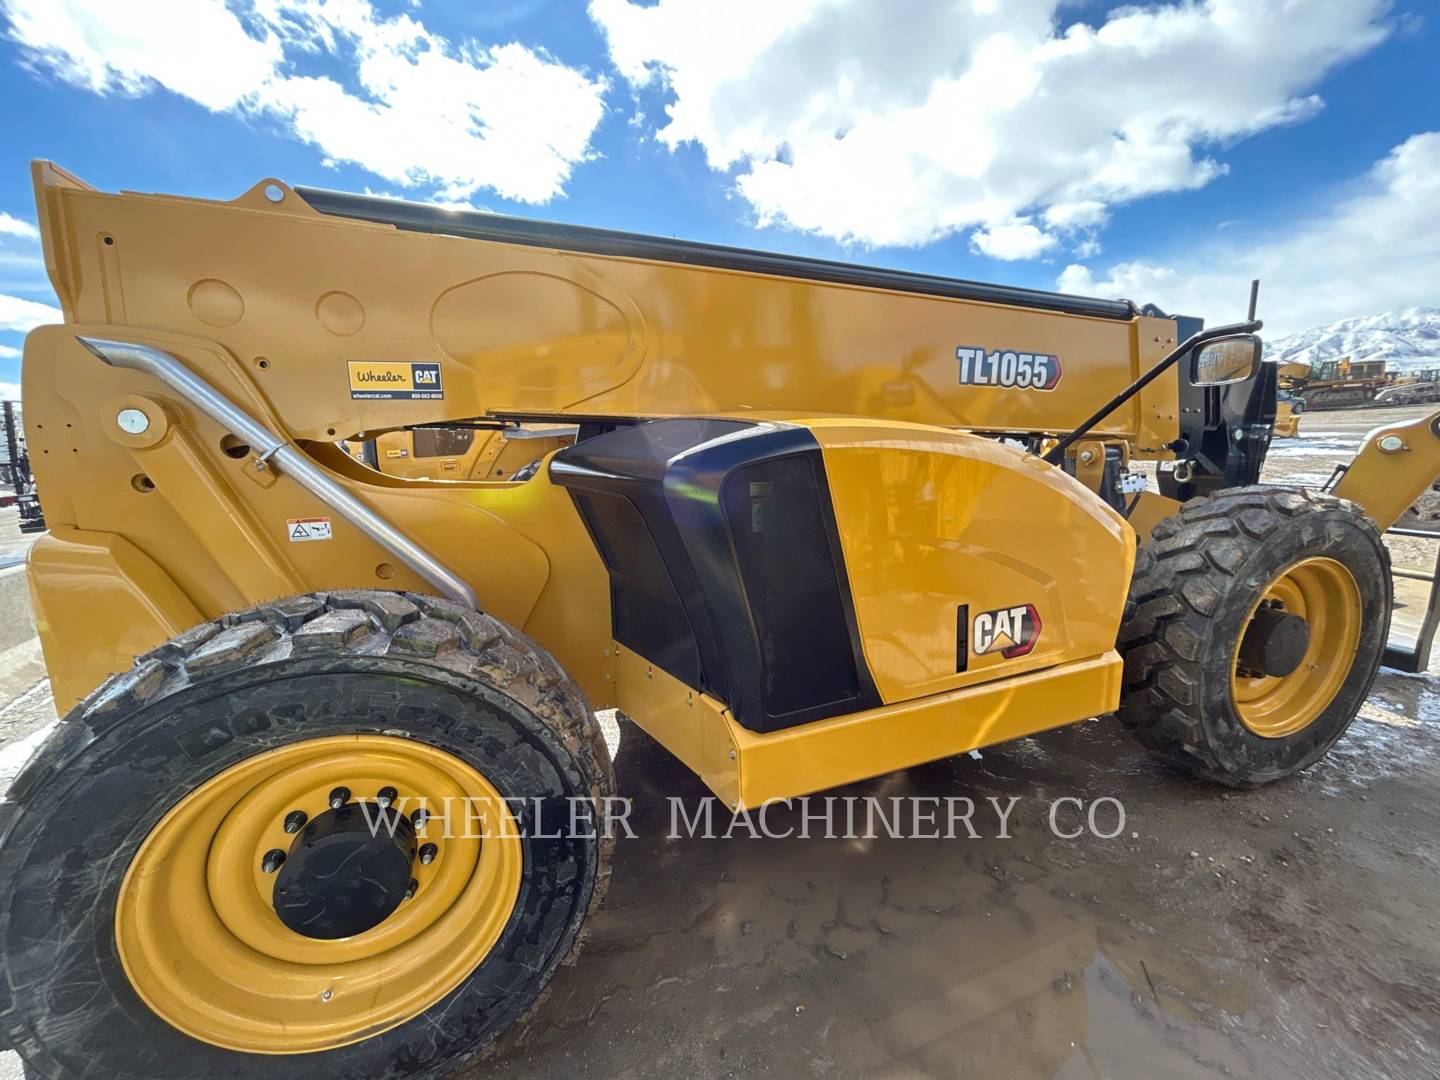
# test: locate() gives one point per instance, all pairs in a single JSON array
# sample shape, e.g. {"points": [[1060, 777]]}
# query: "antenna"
{"points": [[1254, 299]]}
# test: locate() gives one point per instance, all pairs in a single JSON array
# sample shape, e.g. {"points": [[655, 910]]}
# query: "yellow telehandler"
{"points": [[329, 796]]}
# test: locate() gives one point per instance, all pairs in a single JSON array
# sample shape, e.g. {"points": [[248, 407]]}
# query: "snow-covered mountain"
{"points": [[1408, 338]]}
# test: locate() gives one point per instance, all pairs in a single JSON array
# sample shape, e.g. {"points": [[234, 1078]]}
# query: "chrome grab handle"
{"points": [[287, 458]]}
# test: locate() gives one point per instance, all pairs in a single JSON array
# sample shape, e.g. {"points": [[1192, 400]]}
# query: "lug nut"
{"points": [[409, 892], [295, 821], [385, 796], [419, 818], [339, 797], [428, 853], [272, 861]]}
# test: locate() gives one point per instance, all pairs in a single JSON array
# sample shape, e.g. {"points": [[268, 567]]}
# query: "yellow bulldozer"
{"points": [[330, 798], [1336, 384]]}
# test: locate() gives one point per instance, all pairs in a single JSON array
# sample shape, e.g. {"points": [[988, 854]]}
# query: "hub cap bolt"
{"points": [[385, 796], [339, 797], [419, 818], [411, 890], [295, 821], [273, 858], [428, 853]]}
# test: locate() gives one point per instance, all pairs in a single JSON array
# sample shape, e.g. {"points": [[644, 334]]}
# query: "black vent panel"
{"points": [[725, 563]]}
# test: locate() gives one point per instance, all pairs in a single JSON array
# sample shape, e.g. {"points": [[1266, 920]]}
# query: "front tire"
{"points": [[142, 926], [1200, 584]]}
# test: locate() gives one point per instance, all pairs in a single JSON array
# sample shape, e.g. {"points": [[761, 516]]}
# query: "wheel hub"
{"points": [[1275, 642], [1311, 608], [346, 872]]}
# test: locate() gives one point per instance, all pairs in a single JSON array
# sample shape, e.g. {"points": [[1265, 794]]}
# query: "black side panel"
{"points": [[780, 533], [1225, 431], [725, 563], [646, 612], [1249, 408], [658, 607], [419, 217], [962, 637]]}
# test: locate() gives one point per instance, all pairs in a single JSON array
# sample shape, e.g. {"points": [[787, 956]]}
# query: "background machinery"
{"points": [[17, 483], [1420, 387], [1335, 384], [1288, 409], [328, 790]]}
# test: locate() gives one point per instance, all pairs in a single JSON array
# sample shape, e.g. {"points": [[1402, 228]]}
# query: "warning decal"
{"points": [[404, 381], [299, 529]]}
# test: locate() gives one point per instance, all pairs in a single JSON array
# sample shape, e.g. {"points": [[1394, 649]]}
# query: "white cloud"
{"points": [[22, 268], [423, 111], [1014, 239], [13, 226], [851, 120], [1087, 214], [9, 391], [197, 49], [1372, 251], [7, 353], [24, 315]]}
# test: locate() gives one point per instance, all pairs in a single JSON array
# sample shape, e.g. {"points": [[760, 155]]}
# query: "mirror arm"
{"points": [[1057, 452]]}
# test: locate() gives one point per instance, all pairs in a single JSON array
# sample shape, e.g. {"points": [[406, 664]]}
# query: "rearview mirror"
{"points": [[1225, 360]]}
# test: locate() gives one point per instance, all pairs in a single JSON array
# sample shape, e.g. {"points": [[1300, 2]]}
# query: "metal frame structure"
{"points": [[1417, 659]]}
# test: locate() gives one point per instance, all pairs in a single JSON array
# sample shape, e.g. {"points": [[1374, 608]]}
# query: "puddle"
{"points": [[1396, 732]]}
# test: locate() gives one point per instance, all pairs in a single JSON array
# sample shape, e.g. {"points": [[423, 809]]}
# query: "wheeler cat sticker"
{"points": [[1009, 369], [1011, 631], [403, 381]]}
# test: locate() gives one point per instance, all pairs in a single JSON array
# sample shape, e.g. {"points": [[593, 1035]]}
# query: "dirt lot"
{"points": [[1288, 932]]}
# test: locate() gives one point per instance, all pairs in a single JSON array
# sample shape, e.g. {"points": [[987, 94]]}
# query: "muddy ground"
{"points": [[1288, 932]]}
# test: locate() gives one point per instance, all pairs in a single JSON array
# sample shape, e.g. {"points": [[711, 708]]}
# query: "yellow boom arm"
{"points": [[1394, 467]]}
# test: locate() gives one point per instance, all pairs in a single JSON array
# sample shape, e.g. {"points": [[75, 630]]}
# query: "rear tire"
{"points": [[1197, 584], [423, 676]]}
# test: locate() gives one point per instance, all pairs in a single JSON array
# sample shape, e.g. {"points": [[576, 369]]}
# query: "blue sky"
{"points": [[1165, 152]]}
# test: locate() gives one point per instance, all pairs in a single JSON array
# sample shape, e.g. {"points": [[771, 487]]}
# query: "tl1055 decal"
{"points": [[1008, 368]]}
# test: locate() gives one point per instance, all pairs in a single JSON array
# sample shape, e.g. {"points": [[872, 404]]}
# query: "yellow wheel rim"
{"points": [[201, 943], [1322, 592]]}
